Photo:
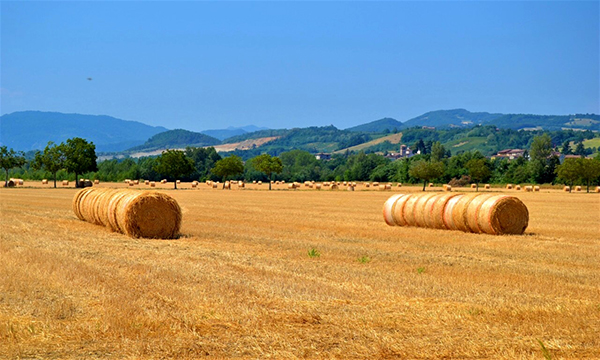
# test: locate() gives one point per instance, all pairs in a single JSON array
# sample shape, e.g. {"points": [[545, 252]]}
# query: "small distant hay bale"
{"points": [[487, 186], [333, 187], [399, 185], [241, 184], [291, 186], [473, 186], [152, 184], [509, 186], [577, 188], [518, 187], [126, 181], [163, 181], [350, 188], [65, 182], [178, 182], [375, 184], [536, 188], [85, 183], [136, 182], [254, 181], [215, 185], [528, 188], [597, 189], [447, 187], [567, 188], [367, 185], [227, 185], [430, 185], [260, 183], [96, 182], [318, 186], [131, 183], [147, 182], [44, 181], [11, 183], [194, 185]]}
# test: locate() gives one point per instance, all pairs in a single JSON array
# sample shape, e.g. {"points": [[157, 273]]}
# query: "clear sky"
{"points": [[210, 65]]}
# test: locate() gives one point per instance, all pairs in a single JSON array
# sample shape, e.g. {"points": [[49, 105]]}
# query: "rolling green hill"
{"points": [[451, 119], [378, 126], [548, 122], [175, 139]]}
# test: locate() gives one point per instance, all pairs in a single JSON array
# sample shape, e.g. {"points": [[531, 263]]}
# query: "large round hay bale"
{"points": [[44, 181], [502, 214], [472, 212], [448, 219], [409, 210], [291, 186], [146, 214], [398, 209], [459, 212], [420, 209], [434, 210], [388, 205]]}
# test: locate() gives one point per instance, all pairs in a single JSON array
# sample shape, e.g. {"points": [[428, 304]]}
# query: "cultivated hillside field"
{"points": [[239, 282]]}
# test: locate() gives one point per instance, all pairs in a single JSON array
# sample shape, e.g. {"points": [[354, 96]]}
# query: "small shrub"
{"points": [[313, 253], [421, 270], [364, 259]]}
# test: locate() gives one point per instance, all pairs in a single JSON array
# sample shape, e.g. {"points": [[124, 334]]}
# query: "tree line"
{"points": [[76, 157]]}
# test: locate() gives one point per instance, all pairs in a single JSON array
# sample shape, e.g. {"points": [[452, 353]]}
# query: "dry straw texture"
{"points": [[146, 214], [477, 213]]}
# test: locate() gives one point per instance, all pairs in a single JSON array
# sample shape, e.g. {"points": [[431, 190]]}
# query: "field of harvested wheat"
{"points": [[297, 274]]}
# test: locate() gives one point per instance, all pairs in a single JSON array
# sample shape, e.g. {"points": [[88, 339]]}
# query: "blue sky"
{"points": [[209, 65]]}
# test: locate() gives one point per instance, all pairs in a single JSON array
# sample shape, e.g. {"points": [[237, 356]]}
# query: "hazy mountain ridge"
{"points": [[31, 130], [175, 139]]}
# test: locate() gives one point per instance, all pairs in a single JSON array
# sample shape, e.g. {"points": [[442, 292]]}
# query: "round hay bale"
{"points": [[367, 185], [518, 187], [178, 181], [163, 181], [291, 186], [447, 187], [434, 210], [597, 189], [448, 219], [430, 185], [502, 214], [472, 212], [126, 181], [567, 188], [509, 186], [149, 214], [76, 200], [152, 184], [147, 182], [487, 186], [215, 185], [44, 181], [399, 185], [113, 205], [459, 212], [227, 185], [388, 205], [536, 188], [318, 186], [528, 188], [577, 188], [473, 186], [350, 188], [65, 182], [409, 210], [131, 183], [398, 210], [10, 183], [375, 184], [419, 208], [260, 183], [136, 182], [194, 185], [96, 182], [333, 187], [254, 181], [102, 206]]}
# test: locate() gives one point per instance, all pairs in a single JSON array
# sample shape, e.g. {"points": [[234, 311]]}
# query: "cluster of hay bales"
{"points": [[477, 213], [14, 182], [146, 214]]}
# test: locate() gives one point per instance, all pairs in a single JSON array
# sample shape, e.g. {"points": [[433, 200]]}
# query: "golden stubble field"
{"points": [[239, 283]]}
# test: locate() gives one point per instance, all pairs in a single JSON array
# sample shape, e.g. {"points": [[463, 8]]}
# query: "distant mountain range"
{"points": [[31, 130]]}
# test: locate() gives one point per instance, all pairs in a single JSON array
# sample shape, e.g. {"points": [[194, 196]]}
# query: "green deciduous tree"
{"points": [[10, 159], [438, 152], [479, 170], [268, 164], [590, 171], [229, 166], [569, 171], [173, 164], [53, 159], [426, 170], [80, 157]]}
